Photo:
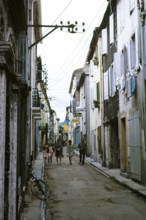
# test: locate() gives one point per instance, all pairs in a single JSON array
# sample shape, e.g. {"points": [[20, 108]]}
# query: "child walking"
{"points": [[70, 151], [50, 153]]}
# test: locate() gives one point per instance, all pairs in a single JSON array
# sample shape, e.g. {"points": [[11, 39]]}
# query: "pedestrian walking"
{"points": [[58, 151], [50, 153], [82, 151], [70, 151]]}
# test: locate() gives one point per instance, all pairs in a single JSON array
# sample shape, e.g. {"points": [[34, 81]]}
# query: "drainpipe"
{"points": [[103, 122], [87, 105], [143, 60], [32, 64]]}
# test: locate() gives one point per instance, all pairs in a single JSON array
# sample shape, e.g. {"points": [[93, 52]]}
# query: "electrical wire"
{"points": [[65, 70], [59, 15], [72, 58], [97, 14]]}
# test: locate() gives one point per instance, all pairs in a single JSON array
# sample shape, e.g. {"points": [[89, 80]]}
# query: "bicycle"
{"points": [[39, 187]]}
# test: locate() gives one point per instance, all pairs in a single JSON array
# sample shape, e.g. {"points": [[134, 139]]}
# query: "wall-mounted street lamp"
{"points": [[72, 28]]}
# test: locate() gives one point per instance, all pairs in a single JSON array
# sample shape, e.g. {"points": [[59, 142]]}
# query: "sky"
{"points": [[63, 52]]}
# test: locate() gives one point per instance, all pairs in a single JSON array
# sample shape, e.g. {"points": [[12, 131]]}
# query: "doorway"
{"points": [[124, 162]]}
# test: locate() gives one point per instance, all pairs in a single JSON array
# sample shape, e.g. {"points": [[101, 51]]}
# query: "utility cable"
{"points": [[72, 58], [59, 14]]}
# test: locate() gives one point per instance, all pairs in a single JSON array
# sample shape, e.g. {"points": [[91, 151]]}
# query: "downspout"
{"points": [[87, 106], [103, 118], [32, 51], [143, 60]]}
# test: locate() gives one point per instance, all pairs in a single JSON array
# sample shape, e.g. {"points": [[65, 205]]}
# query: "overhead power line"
{"points": [[69, 62], [60, 14]]}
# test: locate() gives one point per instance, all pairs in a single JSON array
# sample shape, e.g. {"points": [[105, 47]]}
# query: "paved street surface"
{"points": [[80, 192]]}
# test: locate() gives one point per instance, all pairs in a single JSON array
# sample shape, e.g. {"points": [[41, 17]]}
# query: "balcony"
{"points": [[36, 111], [35, 98]]}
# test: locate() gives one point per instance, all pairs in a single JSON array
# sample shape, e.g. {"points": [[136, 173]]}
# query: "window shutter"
{"points": [[128, 86], [121, 16], [112, 86], [145, 48], [111, 21], [106, 86], [137, 47], [117, 66], [98, 91], [133, 85], [73, 106], [128, 55], [104, 41]]}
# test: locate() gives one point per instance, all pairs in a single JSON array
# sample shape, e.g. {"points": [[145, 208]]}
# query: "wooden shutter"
{"points": [[111, 31], [104, 41], [106, 86], [98, 91], [117, 66], [112, 83]]}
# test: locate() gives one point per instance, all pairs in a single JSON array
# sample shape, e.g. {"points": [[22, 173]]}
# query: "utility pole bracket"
{"points": [[72, 28]]}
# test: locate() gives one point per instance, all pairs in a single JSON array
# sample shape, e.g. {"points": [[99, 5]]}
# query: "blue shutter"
{"points": [[133, 85]]}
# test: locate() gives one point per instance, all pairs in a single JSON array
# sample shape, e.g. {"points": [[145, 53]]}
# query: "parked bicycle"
{"points": [[39, 187]]}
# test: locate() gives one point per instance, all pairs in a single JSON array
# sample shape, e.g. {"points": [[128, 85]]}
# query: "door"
{"points": [[134, 145]]}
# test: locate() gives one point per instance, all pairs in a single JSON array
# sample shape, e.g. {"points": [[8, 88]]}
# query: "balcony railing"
{"points": [[35, 98]]}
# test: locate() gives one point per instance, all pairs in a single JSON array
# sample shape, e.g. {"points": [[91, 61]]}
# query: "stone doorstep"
{"points": [[143, 192], [135, 185]]}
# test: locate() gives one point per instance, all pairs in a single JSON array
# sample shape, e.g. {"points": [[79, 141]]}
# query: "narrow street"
{"points": [[80, 192]]}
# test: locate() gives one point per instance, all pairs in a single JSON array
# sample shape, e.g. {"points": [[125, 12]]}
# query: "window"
{"points": [[98, 91], [131, 86], [73, 106], [97, 101], [133, 52], [125, 64]]}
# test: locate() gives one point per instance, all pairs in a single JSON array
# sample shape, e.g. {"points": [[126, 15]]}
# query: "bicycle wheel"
{"points": [[40, 189]]}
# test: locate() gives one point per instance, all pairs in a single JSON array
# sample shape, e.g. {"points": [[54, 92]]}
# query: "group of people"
{"points": [[58, 150]]}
